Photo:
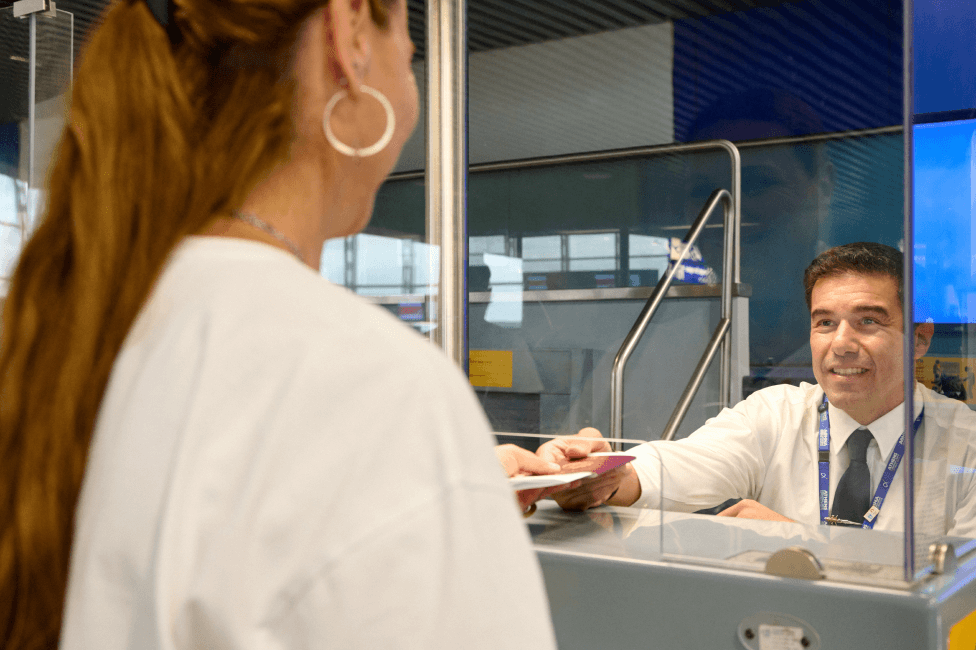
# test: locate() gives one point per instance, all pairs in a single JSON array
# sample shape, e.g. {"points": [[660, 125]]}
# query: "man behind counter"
{"points": [[767, 450]]}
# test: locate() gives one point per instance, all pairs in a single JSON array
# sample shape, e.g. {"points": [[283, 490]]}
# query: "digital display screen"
{"points": [[945, 197]]}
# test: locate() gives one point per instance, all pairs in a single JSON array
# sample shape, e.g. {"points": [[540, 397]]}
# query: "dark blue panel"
{"points": [[800, 68], [945, 63], [9, 149]]}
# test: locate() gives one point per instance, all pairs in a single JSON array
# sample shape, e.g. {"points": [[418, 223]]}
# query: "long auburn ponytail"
{"points": [[154, 149]]}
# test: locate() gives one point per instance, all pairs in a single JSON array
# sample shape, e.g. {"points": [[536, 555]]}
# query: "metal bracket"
{"points": [[24, 8], [943, 558], [795, 562]]}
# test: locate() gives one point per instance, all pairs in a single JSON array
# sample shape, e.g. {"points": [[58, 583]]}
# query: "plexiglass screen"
{"points": [[597, 135]]}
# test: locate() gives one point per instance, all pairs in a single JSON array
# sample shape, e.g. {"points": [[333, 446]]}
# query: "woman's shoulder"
{"points": [[250, 289]]}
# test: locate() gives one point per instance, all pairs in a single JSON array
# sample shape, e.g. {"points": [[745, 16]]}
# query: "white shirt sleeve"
{"points": [[725, 458]]}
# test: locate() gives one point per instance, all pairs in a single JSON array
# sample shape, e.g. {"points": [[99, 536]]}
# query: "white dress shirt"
{"points": [[279, 464], [765, 449]]}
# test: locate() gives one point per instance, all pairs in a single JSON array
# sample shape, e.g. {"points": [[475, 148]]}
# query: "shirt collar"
{"points": [[886, 429]]}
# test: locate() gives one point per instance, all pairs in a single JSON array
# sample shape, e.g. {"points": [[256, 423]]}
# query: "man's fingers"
{"points": [[591, 492]]}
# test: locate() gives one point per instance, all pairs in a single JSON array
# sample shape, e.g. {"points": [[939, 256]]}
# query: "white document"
{"points": [[546, 480]]}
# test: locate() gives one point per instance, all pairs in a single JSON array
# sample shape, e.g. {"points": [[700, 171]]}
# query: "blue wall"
{"points": [[9, 149], [945, 55]]}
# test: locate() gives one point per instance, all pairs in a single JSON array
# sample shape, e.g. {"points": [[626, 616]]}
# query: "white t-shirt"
{"points": [[279, 464], [765, 448]]}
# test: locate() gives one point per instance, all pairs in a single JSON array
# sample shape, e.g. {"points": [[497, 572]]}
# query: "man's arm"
{"points": [[618, 487], [725, 458]]}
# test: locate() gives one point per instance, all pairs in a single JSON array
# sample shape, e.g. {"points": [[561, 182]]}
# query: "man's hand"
{"points": [[749, 509], [620, 483], [592, 492], [521, 462]]}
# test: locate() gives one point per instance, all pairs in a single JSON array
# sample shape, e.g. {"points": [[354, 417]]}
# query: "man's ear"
{"points": [[346, 23], [923, 338]]}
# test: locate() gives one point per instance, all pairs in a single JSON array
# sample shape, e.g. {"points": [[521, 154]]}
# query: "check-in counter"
{"points": [[643, 578]]}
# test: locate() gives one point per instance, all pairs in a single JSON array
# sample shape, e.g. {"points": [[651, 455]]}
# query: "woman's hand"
{"points": [[569, 448], [521, 462]]}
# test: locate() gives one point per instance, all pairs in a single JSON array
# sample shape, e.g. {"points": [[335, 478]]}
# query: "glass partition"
{"points": [[944, 303], [820, 166], [15, 38], [555, 287], [571, 225], [38, 53], [578, 205]]}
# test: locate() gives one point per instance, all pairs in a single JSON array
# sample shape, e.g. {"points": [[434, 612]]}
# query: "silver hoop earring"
{"points": [[344, 148]]}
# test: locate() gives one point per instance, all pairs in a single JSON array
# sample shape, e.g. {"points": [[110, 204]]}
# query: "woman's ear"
{"points": [[347, 35], [923, 338]]}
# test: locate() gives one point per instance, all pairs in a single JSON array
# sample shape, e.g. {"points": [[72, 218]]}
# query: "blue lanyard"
{"points": [[823, 444]]}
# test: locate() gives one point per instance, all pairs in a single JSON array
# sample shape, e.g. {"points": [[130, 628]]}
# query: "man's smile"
{"points": [[848, 371]]}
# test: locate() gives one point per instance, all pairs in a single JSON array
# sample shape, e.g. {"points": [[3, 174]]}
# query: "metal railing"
{"points": [[720, 338]]}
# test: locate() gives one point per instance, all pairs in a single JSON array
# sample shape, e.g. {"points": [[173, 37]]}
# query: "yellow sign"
{"points": [[490, 368], [962, 636], [953, 377]]}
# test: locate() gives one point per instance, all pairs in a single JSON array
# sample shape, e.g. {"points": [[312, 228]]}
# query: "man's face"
{"points": [[856, 330]]}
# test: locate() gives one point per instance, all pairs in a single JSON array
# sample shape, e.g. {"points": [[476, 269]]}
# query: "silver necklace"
{"points": [[252, 220]]}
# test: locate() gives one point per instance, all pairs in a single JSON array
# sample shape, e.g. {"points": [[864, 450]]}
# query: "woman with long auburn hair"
{"points": [[203, 443]]}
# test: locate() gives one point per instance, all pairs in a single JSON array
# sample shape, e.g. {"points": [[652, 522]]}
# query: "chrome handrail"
{"points": [[720, 337], [730, 274], [651, 306]]}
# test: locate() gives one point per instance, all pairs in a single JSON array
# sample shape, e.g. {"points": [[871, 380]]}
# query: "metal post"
{"points": [[447, 163], [908, 96], [31, 97], [30, 9]]}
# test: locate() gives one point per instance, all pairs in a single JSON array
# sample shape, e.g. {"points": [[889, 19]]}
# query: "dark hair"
{"points": [[865, 258]]}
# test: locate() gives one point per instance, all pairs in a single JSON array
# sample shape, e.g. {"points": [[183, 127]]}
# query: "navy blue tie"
{"points": [[853, 496]]}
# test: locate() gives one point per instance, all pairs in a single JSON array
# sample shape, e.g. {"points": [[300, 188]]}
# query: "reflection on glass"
{"points": [[651, 253], [18, 209], [564, 255], [945, 301], [593, 252], [373, 265], [504, 284], [543, 253], [945, 171]]}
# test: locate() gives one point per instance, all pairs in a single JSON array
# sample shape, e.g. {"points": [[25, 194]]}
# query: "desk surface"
{"points": [[848, 555]]}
